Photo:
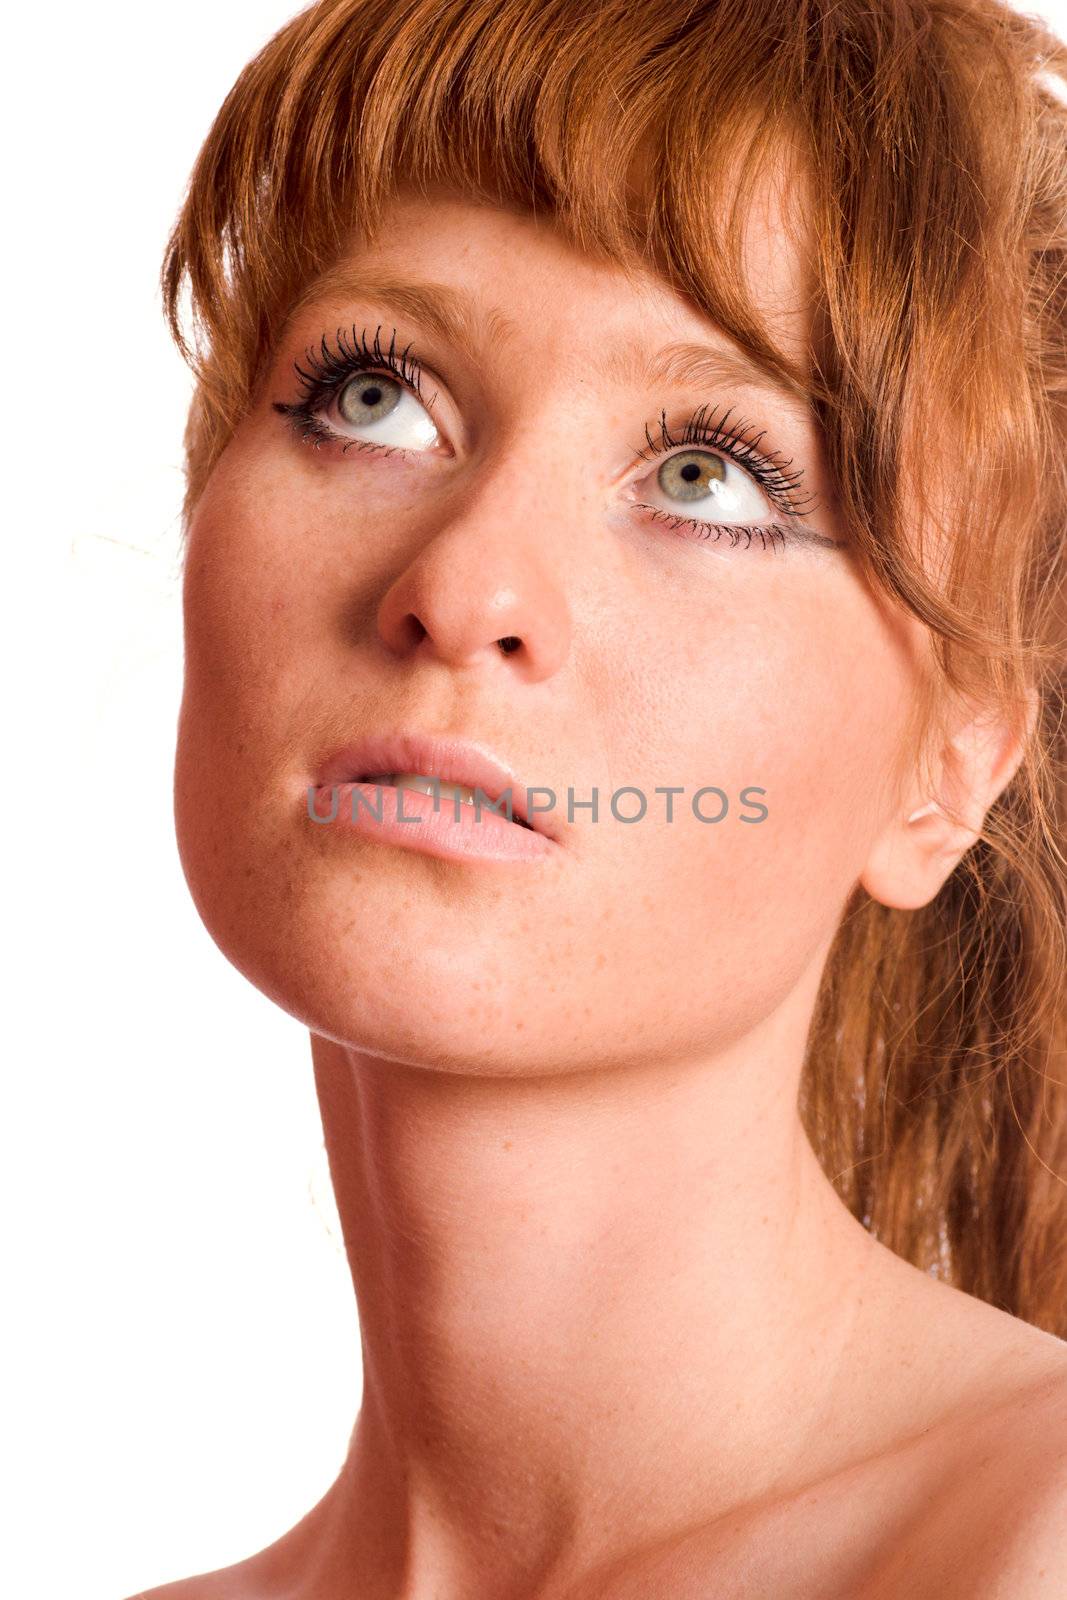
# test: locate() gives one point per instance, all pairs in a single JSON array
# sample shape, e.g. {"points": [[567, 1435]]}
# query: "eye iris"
{"points": [[368, 399], [688, 475]]}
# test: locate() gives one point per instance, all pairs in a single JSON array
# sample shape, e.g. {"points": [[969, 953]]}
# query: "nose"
{"points": [[479, 590]]}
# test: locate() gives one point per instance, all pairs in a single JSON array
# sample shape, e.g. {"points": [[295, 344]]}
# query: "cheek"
{"points": [[808, 712], [256, 611], [732, 682], [247, 636]]}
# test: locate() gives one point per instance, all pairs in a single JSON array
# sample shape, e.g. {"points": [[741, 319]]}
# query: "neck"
{"points": [[592, 1309]]}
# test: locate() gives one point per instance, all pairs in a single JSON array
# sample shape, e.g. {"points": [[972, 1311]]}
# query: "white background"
{"points": [[181, 1350]]}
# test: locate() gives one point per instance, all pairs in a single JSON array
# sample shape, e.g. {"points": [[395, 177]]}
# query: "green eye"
{"points": [[368, 398], [687, 476]]}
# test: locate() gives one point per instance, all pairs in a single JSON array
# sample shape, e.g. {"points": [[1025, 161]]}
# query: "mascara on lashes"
{"points": [[327, 372]]}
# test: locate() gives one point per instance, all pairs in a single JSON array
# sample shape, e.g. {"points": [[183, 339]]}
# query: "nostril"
{"points": [[509, 644]]}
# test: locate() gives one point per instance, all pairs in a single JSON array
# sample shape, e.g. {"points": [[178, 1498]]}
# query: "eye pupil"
{"points": [[365, 400], [691, 474]]}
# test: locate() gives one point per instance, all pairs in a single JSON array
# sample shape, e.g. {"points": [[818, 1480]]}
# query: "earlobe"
{"points": [[922, 846], [913, 857]]}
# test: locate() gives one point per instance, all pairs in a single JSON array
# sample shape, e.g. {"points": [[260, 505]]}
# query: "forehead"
{"points": [[774, 203], [485, 274]]}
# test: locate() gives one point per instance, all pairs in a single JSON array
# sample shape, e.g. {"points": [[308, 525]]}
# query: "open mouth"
{"points": [[440, 787]]}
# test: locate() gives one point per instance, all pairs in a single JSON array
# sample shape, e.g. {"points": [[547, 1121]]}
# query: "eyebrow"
{"points": [[452, 315]]}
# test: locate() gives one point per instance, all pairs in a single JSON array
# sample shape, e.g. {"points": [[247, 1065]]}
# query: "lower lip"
{"points": [[453, 829]]}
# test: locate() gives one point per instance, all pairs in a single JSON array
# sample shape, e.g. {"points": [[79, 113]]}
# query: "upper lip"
{"points": [[443, 756]]}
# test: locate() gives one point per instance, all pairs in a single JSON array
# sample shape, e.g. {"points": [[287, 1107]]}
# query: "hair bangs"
{"points": [[918, 152]]}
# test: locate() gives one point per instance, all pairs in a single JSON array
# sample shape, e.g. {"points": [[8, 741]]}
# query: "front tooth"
{"points": [[424, 785]]}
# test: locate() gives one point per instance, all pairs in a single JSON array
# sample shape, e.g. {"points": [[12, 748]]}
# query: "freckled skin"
{"points": [[650, 659], [606, 1294]]}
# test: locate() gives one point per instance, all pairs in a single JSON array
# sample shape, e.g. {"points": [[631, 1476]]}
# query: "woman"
{"points": [[652, 419]]}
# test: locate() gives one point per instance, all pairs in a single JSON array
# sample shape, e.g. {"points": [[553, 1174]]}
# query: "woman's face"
{"points": [[333, 592]]}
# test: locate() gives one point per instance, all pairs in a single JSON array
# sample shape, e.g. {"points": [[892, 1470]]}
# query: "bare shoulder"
{"points": [[182, 1589], [1023, 1553], [271, 1573], [964, 1496], [994, 1522], [1030, 1562], [226, 1584], [242, 1581]]}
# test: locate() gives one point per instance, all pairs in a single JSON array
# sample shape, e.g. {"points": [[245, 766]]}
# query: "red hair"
{"points": [[928, 150]]}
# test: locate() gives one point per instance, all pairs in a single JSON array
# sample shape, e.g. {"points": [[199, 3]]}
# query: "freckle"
{"points": [[507, 1144]]}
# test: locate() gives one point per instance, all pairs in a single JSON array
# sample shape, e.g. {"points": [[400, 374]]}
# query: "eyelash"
{"points": [[330, 370]]}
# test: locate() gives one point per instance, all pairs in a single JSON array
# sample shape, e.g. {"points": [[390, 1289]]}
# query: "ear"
{"points": [[938, 821]]}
